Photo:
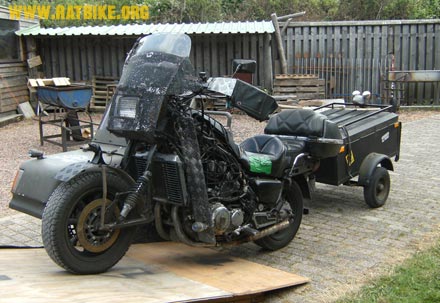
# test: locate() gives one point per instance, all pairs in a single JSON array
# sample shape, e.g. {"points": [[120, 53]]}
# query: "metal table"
{"points": [[64, 103], [408, 76]]}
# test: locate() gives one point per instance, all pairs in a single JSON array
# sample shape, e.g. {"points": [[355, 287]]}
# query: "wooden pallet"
{"points": [[305, 87], [100, 97]]}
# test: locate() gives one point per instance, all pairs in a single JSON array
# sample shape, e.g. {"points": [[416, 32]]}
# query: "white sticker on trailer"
{"points": [[385, 137]]}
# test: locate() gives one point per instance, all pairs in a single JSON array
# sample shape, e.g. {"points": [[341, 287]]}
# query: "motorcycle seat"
{"points": [[264, 154], [304, 123]]}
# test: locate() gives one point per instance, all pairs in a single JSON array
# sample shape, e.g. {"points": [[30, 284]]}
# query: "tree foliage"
{"points": [[171, 11]]}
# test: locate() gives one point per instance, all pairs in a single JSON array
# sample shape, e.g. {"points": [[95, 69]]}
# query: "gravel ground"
{"points": [[19, 137]]}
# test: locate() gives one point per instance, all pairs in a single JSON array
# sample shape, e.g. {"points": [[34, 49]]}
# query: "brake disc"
{"points": [[90, 236]]}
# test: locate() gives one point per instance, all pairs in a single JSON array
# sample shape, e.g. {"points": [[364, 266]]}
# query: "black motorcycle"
{"points": [[157, 161]]}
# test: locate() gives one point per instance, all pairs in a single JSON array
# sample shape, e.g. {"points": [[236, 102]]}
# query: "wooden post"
{"points": [[279, 43]]}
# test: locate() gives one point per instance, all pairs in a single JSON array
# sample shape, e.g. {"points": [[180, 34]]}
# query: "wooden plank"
{"points": [[411, 93], [113, 59], [298, 89], [4, 75], [223, 69], [5, 120], [215, 70], [299, 82], [35, 278], [106, 58], [15, 100], [34, 61], [98, 57], [436, 50], [269, 68], [16, 88], [11, 82], [421, 60], [238, 53], [253, 49], [62, 57], [61, 81], [150, 273], [26, 110], [8, 107], [13, 94], [199, 55], [76, 60], [430, 51], [261, 64], [13, 69], [245, 46], [191, 263], [91, 65], [83, 59]]}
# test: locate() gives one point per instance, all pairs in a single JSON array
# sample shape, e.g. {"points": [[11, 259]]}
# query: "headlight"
{"points": [[126, 107]]}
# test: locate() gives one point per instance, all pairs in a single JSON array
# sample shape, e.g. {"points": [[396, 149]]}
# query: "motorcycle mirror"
{"points": [[33, 153], [202, 76], [243, 66]]}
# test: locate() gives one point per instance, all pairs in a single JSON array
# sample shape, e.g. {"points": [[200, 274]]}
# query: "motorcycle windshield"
{"points": [[156, 68], [174, 44]]}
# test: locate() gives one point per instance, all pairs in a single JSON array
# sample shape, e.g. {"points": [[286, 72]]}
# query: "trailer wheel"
{"points": [[377, 190]]}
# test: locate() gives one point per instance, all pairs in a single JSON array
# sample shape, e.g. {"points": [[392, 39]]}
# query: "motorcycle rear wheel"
{"points": [[278, 240], [70, 225]]}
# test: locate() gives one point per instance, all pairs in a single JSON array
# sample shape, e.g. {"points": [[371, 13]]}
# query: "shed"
{"points": [[13, 67], [84, 52]]}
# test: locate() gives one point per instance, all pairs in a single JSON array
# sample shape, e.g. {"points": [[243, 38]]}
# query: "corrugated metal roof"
{"points": [[251, 27]]}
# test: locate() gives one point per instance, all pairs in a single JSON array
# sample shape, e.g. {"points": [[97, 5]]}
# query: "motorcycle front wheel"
{"points": [[71, 220], [293, 198]]}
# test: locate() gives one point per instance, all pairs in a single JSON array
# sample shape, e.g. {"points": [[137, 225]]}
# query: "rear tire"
{"points": [[377, 190], [293, 196], [69, 225]]}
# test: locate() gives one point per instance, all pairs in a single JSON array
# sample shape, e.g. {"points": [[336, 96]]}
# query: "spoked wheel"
{"points": [[376, 192], [294, 205], [71, 224]]}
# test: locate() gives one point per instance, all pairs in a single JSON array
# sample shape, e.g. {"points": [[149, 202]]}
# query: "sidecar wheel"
{"points": [[282, 238], [70, 220]]}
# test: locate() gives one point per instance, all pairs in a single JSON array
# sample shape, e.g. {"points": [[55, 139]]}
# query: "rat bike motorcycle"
{"points": [[155, 160]]}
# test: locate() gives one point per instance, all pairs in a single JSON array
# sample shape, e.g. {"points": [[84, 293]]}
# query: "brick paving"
{"points": [[342, 242]]}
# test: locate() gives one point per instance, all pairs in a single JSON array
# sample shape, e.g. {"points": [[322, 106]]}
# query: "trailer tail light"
{"points": [[17, 178], [342, 150], [396, 125]]}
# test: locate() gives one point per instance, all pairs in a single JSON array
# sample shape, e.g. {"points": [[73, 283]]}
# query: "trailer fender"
{"points": [[370, 163]]}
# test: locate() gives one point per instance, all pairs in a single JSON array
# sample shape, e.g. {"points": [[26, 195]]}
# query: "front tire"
{"points": [[278, 240], [70, 220]]}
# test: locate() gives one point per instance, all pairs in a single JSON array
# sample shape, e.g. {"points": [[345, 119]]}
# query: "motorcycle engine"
{"points": [[226, 220]]}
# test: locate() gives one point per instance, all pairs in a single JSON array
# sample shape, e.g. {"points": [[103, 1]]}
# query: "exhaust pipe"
{"points": [[261, 234]]}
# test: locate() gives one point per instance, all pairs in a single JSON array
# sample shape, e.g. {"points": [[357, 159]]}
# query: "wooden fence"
{"points": [[348, 55], [82, 57], [356, 55]]}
